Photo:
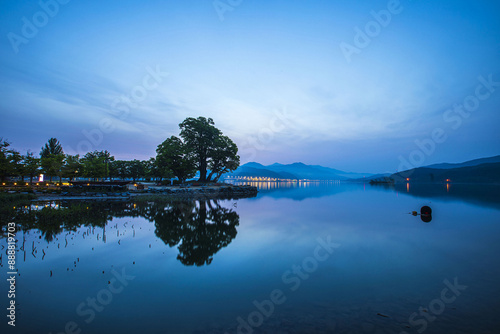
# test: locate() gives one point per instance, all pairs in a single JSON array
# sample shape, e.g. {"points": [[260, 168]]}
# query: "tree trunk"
{"points": [[203, 170]]}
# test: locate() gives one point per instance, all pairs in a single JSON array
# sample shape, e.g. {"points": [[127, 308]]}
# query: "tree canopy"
{"points": [[174, 157], [95, 164], [201, 147], [52, 147], [51, 158]]}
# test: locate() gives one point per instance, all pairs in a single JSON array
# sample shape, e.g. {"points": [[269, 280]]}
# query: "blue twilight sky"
{"points": [[286, 80]]}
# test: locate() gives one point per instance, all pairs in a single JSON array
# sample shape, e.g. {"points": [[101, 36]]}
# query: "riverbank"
{"points": [[226, 191]]}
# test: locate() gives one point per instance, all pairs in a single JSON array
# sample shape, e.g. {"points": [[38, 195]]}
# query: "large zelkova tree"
{"points": [[209, 148], [175, 159], [51, 158]]}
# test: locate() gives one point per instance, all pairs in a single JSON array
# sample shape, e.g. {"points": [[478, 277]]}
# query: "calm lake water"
{"points": [[314, 258]]}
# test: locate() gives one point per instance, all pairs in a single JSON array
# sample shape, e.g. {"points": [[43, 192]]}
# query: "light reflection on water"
{"points": [[198, 266]]}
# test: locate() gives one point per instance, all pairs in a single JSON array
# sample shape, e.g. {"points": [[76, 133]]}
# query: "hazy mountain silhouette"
{"points": [[484, 170], [296, 170], [470, 163], [484, 173]]}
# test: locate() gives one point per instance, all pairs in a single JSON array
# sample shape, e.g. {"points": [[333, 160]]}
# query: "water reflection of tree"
{"points": [[201, 227], [54, 218]]}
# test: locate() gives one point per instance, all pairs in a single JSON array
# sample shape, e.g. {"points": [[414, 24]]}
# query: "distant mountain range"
{"points": [[470, 163], [482, 173], [295, 171], [484, 170]]}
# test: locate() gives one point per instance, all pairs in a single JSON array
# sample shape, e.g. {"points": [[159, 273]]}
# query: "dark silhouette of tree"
{"points": [[209, 148], [199, 135], [31, 166], [95, 164], [174, 158], [52, 147], [199, 228], [72, 167], [10, 161], [202, 229], [5, 167], [224, 158], [16, 161], [136, 169], [52, 156], [172, 221]]}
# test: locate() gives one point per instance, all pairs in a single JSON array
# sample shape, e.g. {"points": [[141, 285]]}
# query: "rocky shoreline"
{"points": [[219, 192]]}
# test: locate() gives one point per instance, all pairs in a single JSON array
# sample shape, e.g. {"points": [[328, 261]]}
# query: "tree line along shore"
{"points": [[200, 148]]}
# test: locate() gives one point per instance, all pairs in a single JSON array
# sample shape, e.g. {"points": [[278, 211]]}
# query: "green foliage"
{"points": [[95, 164], [136, 169], [174, 158], [52, 147], [223, 158], [199, 135], [72, 166], [52, 164], [16, 163], [202, 147], [117, 169], [10, 161], [31, 166], [52, 157]]}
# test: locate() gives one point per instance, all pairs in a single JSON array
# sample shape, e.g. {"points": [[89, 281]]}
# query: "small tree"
{"points": [[72, 167], [95, 164], [52, 156], [52, 147], [31, 166], [10, 161], [136, 169], [51, 165], [118, 168], [5, 168], [149, 169], [17, 166]]}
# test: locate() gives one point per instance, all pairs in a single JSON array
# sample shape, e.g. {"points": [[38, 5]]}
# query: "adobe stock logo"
{"points": [[223, 6], [121, 108], [454, 117], [253, 144], [372, 29], [30, 28], [293, 279]]}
